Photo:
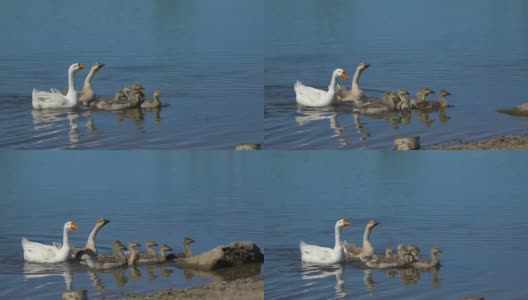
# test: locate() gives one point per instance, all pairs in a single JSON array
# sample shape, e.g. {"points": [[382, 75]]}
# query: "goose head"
{"points": [[188, 241], [372, 223], [150, 243], [342, 223], [101, 222], [70, 225], [435, 250], [389, 251], [95, 67], [75, 67], [340, 73], [156, 94], [443, 93], [401, 248], [165, 247], [363, 66]]}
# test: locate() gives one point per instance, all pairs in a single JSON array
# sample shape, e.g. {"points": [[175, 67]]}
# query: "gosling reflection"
{"points": [[311, 272], [122, 276]]}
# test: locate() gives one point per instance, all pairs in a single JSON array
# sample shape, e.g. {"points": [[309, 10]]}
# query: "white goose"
{"points": [[324, 255], [54, 98], [308, 96], [40, 253]]}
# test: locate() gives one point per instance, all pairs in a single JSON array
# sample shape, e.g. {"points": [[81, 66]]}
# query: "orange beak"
{"points": [[346, 223], [344, 75], [81, 67], [73, 226]]}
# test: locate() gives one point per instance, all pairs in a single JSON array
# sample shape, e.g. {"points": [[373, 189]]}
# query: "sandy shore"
{"points": [[507, 142], [246, 288]]}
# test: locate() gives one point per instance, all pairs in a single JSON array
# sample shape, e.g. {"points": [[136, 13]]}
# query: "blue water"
{"points": [[475, 49], [213, 197], [472, 205], [204, 56]]}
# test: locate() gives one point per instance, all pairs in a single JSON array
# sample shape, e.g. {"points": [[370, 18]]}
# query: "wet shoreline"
{"points": [[501, 142], [246, 288]]}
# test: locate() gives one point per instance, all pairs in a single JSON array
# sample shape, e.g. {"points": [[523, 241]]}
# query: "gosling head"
{"points": [[435, 250], [70, 225], [342, 223], [150, 243], [372, 223], [75, 67], [403, 92], [138, 86], [401, 248], [188, 241], [427, 91], [363, 66], [340, 73], [156, 93], [444, 93], [118, 245], [389, 251], [165, 247], [133, 244]]}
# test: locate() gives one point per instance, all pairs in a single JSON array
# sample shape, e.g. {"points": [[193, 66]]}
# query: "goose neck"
{"points": [[355, 79], [66, 239], [187, 250]]}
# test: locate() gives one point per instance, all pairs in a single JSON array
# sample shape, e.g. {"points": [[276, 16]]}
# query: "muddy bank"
{"points": [[508, 142], [246, 288]]}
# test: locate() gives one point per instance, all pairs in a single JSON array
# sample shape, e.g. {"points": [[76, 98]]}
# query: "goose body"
{"points": [[129, 97], [150, 255], [90, 248], [87, 94], [434, 105], [133, 256], [355, 93], [324, 255], [41, 253], [311, 97], [390, 260], [405, 101], [422, 263], [187, 241], [54, 98], [366, 252], [103, 262], [154, 103], [420, 97]]}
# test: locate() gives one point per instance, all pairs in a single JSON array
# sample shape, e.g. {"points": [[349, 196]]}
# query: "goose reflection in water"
{"points": [[312, 273], [408, 276], [35, 271]]}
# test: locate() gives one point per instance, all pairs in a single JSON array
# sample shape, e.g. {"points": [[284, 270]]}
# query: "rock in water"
{"points": [[234, 254]]}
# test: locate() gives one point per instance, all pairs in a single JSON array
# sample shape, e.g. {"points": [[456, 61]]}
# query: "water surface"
{"points": [[202, 55], [477, 50], [470, 204], [213, 197]]}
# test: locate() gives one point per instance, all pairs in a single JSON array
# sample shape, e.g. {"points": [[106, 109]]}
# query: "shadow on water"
{"points": [[122, 276]]}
